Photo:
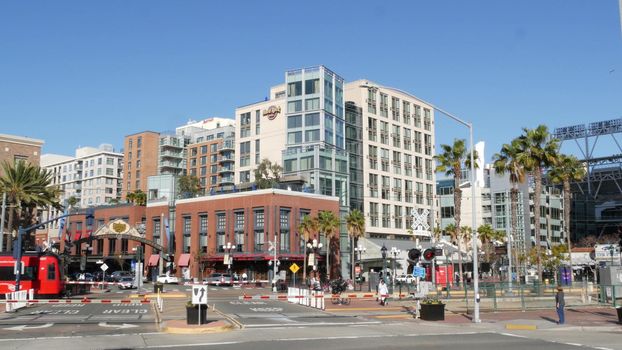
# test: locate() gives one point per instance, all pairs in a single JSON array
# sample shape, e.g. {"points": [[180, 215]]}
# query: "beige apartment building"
{"points": [[396, 149]]}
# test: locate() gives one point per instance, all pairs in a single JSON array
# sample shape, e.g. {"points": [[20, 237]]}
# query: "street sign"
{"points": [[294, 268], [607, 252], [418, 271], [104, 267], [199, 295]]}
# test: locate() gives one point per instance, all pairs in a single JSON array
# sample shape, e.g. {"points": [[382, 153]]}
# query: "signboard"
{"points": [[603, 252], [272, 112], [104, 267], [312, 259], [199, 295], [418, 272], [294, 268]]}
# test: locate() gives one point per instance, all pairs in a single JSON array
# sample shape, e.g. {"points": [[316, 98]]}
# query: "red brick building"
{"points": [[201, 227]]}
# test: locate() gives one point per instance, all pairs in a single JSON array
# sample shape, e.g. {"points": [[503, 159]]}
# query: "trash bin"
{"points": [[619, 310], [158, 287]]}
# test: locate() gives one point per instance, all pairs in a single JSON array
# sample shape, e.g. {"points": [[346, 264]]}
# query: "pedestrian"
{"points": [[244, 277], [559, 304], [383, 292]]}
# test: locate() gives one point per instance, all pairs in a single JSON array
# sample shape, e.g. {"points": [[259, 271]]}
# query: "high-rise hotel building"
{"points": [[390, 139], [301, 127]]}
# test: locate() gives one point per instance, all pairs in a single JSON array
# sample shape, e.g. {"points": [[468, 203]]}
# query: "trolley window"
{"points": [[51, 271]]}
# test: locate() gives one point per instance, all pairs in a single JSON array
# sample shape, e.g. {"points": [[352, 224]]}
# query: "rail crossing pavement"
{"points": [[65, 317], [283, 297]]}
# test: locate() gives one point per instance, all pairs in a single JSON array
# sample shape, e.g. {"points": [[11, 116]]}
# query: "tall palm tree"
{"points": [[538, 152], [451, 161], [306, 228], [567, 169], [355, 223], [328, 223], [27, 187], [508, 160]]}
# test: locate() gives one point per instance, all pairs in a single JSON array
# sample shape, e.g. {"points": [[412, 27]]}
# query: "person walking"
{"points": [[560, 303], [383, 292]]}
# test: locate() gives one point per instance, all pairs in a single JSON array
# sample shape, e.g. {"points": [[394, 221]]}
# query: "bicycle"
{"points": [[337, 287]]}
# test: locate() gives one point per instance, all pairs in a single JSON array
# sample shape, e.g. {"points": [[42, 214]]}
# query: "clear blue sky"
{"points": [[77, 73]]}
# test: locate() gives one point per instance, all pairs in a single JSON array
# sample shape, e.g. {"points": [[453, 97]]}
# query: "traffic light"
{"points": [[414, 254], [429, 254]]}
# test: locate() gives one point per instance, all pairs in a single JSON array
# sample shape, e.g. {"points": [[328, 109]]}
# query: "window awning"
{"points": [[184, 260], [153, 260]]}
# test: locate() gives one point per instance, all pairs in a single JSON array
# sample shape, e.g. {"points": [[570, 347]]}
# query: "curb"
{"points": [[521, 327], [219, 326]]}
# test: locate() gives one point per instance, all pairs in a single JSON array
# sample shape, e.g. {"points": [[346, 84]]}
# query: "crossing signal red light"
{"points": [[429, 254]]}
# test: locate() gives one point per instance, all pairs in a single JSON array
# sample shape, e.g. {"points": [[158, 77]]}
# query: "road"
{"points": [[270, 324]]}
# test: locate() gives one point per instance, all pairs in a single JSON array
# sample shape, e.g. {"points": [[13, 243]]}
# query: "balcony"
{"points": [[169, 154], [174, 165], [226, 159], [226, 180], [225, 170], [226, 146]]}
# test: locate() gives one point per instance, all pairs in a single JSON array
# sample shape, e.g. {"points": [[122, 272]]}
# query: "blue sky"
{"points": [[78, 73]]}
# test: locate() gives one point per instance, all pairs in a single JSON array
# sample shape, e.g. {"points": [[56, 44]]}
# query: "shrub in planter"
{"points": [[432, 310], [192, 313]]}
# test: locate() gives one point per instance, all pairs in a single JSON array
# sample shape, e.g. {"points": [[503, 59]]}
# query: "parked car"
{"points": [[219, 279], [126, 283], [117, 275], [404, 278], [83, 276], [168, 279]]}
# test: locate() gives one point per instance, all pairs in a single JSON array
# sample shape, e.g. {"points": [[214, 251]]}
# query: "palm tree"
{"points": [[508, 160], [27, 187], [451, 161], [567, 168], [329, 223], [131, 197], [355, 223], [538, 152], [307, 227], [486, 235], [267, 174]]}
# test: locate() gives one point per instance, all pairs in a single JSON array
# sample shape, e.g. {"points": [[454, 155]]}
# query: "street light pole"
{"points": [[395, 252], [383, 251], [360, 250], [227, 248]]}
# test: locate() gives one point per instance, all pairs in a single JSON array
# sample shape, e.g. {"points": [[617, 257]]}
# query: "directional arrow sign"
{"points": [[199, 295], [23, 327], [118, 326]]}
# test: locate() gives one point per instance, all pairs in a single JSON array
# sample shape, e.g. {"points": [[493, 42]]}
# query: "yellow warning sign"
{"points": [[294, 268]]}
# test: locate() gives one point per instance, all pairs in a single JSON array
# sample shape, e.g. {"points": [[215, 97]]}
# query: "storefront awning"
{"points": [[153, 260], [184, 260]]}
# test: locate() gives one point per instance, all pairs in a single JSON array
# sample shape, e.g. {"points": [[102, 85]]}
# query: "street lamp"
{"points": [[360, 250], [394, 252], [383, 250], [227, 258], [469, 125], [315, 247]]}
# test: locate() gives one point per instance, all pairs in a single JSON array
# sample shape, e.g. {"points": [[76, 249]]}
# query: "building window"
{"points": [[312, 104], [312, 86], [258, 218], [294, 89], [294, 106], [284, 218], [239, 231], [294, 137]]}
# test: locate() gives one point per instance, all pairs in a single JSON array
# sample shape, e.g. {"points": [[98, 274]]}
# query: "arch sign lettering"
{"points": [[119, 229]]}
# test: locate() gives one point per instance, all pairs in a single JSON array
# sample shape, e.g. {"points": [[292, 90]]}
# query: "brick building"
{"points": [[14, 148], [141, 155], [200, 228]]}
